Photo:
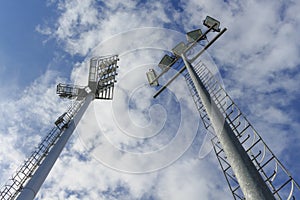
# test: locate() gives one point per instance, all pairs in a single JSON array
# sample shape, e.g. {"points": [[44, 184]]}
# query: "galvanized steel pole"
{"points": [[251, 182], [32, 187]]}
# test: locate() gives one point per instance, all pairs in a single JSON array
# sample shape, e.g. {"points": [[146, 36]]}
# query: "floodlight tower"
{"points": [[251, 169], [26, 182]]}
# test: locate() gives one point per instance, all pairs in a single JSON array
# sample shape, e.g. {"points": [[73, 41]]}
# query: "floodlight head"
{"points": [[165, 62], [179, 49], [102, 74], [107, 72], [195, 35], [211, 22], [151, 76]]}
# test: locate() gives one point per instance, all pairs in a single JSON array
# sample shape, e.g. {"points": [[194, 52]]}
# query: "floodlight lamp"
{"points": [[179, 49], [195, 35], [151, 76], [102, 74], [211, 22], [165, 62]]}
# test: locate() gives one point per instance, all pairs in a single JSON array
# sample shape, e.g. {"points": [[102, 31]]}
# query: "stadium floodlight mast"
{"points": [[26, 182], [249, 166]]}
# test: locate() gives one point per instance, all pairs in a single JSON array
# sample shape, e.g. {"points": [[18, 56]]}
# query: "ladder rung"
{"points": [[241, 132], [262, 166], [289, 180], [235, 126], [270, 177], [256, 156], [237, 117], [248, 136], [253, 145]]}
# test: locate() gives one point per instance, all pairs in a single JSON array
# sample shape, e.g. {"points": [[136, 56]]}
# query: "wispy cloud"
{"points": [[25, 119], [259, 61]]}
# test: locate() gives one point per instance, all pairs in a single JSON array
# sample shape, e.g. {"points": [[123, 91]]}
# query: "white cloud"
{"points": [[259, 57], [25, 119], [84, 24], [179, 183]]}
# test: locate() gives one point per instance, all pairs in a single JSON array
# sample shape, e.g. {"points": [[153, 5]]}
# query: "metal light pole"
{"points": [[32, 187], [26, 182], [251, 183], [250, 167]]}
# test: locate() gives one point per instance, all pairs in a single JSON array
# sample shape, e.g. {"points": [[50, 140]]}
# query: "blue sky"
{"points": [[46, 42], [25, 54], [21, 46]]}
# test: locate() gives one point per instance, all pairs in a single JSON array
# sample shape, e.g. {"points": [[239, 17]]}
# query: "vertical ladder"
{"points": [[271, 169], [13, 187], [30, 176]]}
